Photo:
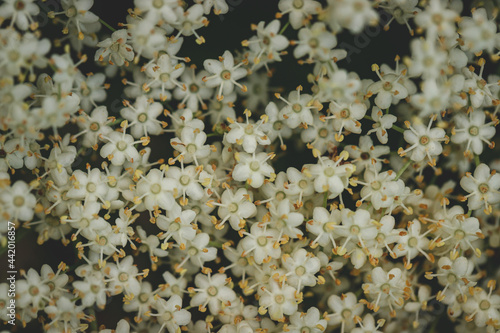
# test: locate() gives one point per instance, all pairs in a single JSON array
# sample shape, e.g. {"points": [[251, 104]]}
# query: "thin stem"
{"points": [[325, 199], [400, 172], [107, 25], [476, 159], [284, 28]]}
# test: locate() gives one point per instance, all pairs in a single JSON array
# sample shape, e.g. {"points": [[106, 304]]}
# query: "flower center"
{"points": [[277, 125], [298, 4], [345, 113], [300, 271], [232, 208], [142, 117], [413, 242], [143, 298], [279, 299], [71, 12], [167, 316], [355, 230], [94, 127], [123, 277], [280, 196], [459, 234], [164, 77], [329, 171], [424, 140], [323, 133], [192, 251], [483, 188], [255, 166], [184, 180], [262, 240], [249, 129], [473, 130], [242, 262], [34, 290], [13, 55], [18, 201], [266, 40], [376, 185], [91, 187], [297, 107], [194, 88], [212, 291], [484, 305], [95, 288], [387, 86], [364, 156], [437, 18], [121, 145], [386, 288], [313, 43], [102, 241], [346, 314], [191, 148], [303, 184], [155, 188], [20, 5], [225, 74], [452, 278], [157, 3]]}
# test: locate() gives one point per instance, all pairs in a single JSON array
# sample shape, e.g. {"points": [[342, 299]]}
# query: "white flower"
{"points": [[302, 267], [346, 116], [248, 135], [115, 49], [424, 142], [253, 168], [278, 300], [235, 208], [143, 116], [351, 14], [164, 72], [170, 313], [21, 13], [437, 19], [412, 242], [266, 46], [211, 290], [386, 289], [331, 176], [382, 123], [262, 243], [224, 74], [155, 191], [298, 108], [389, 89], [367, 156], [483, 307], [191, 146], [155, 10], [345, 309], [482, 187], [308, 322], [299, 10], [474, 131], [17, 202], [88, 186], [119, 148], [478, 32], [453, 274], [316, 42]]}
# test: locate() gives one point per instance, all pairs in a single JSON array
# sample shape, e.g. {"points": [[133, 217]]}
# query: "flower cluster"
{"points": [[184, 197]]}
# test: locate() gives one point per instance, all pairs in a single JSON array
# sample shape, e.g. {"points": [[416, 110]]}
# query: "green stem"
{"points": [[107, 25], [284, 28], [397, 128], [476, 159], [325, 199], [400, 172], [93, 323]]}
